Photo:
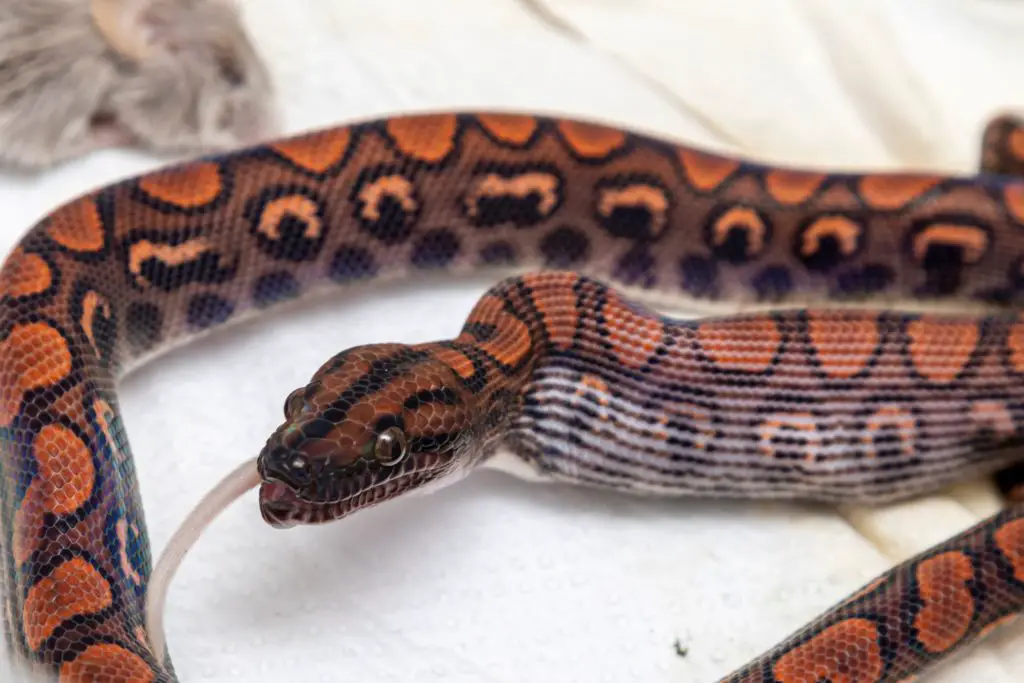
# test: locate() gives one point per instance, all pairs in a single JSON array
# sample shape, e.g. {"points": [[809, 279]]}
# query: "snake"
{"points": [[873, 352]]}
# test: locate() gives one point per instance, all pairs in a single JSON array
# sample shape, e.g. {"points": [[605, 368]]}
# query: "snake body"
{"points": [[848, 380]]}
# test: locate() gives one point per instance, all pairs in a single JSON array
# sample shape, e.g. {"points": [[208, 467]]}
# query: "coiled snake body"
{"points": [[839, 387]]}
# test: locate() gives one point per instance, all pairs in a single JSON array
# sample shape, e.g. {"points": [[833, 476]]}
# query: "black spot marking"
{"points": [[772, 283], [944, 246], [699, 275], [435, 249], [274, 287], [289, 222], [170, 261], [564, 246], [386, 204], [824, 242], [351, 263], [870, 279], [521, 195], [207, 310], [736, 234], [498, 253], [632, 206], [636, 267], [143, 326]]}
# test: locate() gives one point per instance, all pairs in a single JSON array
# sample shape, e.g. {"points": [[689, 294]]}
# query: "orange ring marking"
{"points": [[106, 663], [948, 607], [846, 652], [24, 274], [748, 345], [649, 197], [315, 152], [974, 241], [897, 416], [66, 470], [792, 187], [846, 233], [591, 140], [522, 186], [802, 423], [889, 192], [190, 186], [742, 218], [510, 128], [429, 137], [77, 226], [73, 588], [844, 346], [297, 205], [939, 349]]}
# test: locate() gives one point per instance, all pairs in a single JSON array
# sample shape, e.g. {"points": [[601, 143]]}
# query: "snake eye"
{"points": [[391, 446], [293, 403]]}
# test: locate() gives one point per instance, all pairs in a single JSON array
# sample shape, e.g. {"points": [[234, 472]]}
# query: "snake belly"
{"points": [[837, 388]]}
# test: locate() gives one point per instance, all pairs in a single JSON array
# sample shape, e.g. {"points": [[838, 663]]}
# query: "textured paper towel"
{"points": [[495, 579]]}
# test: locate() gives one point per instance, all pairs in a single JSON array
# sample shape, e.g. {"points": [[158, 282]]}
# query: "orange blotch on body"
{"points": [[634, 337], [77, 226], [706, 171], [315, 152], [940, 349], [24, 274], [106, 663], [592, 141], [1013, 195], [429, 137], [748, 345], [792, 187], [66, 471], [890, 192], [189, 186], [845, 652], [1010, 540], [509, 128], [844, 344], [34, 355], [73, 588], [948, 607]]}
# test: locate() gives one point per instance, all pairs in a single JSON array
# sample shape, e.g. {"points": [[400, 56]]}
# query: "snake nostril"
{"points": [[287, 466]]}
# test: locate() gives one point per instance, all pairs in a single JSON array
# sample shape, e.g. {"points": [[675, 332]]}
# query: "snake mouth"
{"points": [[278, 504], [282, 507]]}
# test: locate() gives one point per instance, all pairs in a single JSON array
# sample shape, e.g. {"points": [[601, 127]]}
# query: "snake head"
{"points": [[374, 422]]}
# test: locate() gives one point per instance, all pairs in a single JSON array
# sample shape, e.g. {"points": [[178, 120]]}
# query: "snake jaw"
{"points": [[283, 507], [278, 504]]}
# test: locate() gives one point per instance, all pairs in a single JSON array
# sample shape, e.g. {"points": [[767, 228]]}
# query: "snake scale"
{"points": [[882, 356]]}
